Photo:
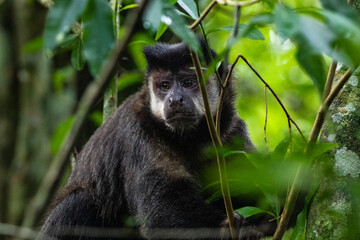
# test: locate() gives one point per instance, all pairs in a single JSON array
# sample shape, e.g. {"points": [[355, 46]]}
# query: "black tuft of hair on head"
{"points": [[174, 56]]}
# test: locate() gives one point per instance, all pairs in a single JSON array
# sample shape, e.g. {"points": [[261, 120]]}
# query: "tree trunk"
{"points": [[334, 212]]}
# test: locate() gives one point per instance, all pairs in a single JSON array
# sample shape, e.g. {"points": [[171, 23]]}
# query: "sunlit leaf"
{"points": [[189, 6], [34, 45], [126, 80], [60, 134], [99, 37], [251, 211], [60, 19], [129, 6], [96, 117], [161, 30]]}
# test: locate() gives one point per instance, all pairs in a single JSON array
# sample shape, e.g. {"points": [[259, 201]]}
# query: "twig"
{"points": [[319, 121], [222, 95], [203, 15], [274, 94], [218, 146], [266, 114], [92, 93]]}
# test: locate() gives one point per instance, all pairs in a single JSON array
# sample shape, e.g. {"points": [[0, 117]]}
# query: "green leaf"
{"points": [[320, 148], [177, 24], [281, 150], [189, 6], [230, 153], [69, 41], [129, 6], [60, 134], [246, 31], [153, 15], [98, 35], [77, 58], [96, 117], [162, 28], [34, 45], [251, 211], [346, 40], [340, 7], [314, 65], [60, 19], [128, 80], [287, 21]]}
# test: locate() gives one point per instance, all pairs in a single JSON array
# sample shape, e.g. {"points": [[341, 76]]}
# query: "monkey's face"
{"points": [[175, 98]]}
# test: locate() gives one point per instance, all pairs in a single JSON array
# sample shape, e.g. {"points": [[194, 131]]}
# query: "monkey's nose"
{"points": [[179, 101]]}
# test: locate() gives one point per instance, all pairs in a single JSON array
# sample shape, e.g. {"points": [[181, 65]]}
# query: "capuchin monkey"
{"points": [[146, 158]]}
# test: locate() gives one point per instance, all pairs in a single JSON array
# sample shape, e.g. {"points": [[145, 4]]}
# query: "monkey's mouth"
{"points": [[181, 117]]}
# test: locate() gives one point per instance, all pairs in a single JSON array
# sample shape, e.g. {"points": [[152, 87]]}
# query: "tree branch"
{"points": [[218, 146], [203, 14], [329, 79], [319, 121]]}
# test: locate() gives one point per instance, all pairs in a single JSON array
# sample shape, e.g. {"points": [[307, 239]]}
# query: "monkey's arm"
{"points": [[72, 218]]}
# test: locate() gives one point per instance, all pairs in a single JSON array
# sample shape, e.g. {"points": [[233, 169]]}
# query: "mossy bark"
{"points": [[334, 211]]}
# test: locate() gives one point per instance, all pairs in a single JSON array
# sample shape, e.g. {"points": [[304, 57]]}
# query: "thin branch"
{"points": [[222, 95], [218, 146], [329, 79], [290, 136], [266, 114], [92, 93], [319, 121], [203, 15], [274, 94], [325, 106]]}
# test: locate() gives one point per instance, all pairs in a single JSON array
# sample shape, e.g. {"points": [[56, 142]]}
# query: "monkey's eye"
{"points": [[165, 85], [189, 83]]}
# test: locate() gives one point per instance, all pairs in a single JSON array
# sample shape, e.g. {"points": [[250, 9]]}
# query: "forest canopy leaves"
{"points": [[162, 12], [98, 28], [92, 42], [317, 32], [60, 19]]}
